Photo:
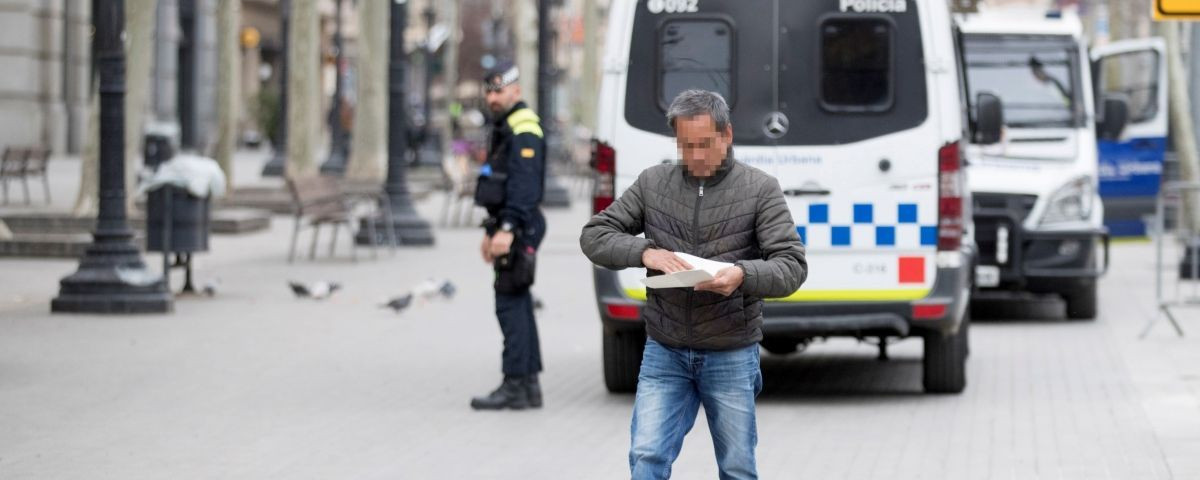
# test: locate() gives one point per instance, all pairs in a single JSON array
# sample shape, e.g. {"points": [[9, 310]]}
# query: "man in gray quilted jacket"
{"points": [[703, 341]]}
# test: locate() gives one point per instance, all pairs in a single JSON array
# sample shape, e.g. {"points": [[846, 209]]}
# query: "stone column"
{"points": [[166, 62], [20, 86]]}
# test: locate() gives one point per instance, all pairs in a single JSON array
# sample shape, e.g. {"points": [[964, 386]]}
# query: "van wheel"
{"points": [[1082, 303], [945, 369], [623, 360]]}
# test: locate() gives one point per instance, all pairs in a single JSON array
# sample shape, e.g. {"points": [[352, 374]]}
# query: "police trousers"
{"points": [[522, 352]]}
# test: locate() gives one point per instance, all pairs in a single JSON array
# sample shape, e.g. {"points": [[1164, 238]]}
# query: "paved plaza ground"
{"points": [[253, 383]]}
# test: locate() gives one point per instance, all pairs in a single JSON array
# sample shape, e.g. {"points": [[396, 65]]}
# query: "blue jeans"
{"points": [[672, 385]]}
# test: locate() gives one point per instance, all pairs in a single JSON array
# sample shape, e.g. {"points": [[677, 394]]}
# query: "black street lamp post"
{"points": [[112, 278], [410, 228], [275, 166], [339, 145], [428, 146]]}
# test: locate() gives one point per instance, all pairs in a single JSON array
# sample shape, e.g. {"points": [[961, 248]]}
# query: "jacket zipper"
{"points": [[695, 251]]}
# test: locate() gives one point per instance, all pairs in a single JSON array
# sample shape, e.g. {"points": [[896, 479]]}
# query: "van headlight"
{"points": [[1071, 203]]}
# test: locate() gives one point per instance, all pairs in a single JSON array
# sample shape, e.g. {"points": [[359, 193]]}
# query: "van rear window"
{"points": [[803, 61], [694, 54], [856, 64]]}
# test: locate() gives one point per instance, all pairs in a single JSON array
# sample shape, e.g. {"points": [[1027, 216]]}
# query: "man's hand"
{"points": [[501, 243], [726, 282], [663, 261], [485, 249]]}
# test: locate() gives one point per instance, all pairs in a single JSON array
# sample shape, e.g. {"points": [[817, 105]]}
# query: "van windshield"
{"points": [[1036, 78]]}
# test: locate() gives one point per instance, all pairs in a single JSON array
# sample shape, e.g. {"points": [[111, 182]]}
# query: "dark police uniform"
{"points": [[510, 187]]}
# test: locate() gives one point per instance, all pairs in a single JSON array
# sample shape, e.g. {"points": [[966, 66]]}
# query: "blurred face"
{"points": [[701, 146], [502, 100]]}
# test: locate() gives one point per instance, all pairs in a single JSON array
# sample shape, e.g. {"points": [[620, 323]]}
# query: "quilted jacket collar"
{"points": [[716, 178]]}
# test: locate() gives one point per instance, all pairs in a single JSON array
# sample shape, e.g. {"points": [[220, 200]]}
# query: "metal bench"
{"points": [[22, 163], [318, 200]]}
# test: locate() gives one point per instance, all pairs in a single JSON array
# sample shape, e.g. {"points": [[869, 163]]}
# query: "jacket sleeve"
{"points": [[783, 268], [610, 238], [526, 170]]}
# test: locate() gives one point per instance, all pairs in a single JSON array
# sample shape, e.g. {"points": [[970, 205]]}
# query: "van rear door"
{"points": [[1131, 166], [721, 46], [859, 163], [829, 96]]}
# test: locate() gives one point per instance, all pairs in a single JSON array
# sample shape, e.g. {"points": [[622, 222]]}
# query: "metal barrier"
{"points": [[1174, 192]]}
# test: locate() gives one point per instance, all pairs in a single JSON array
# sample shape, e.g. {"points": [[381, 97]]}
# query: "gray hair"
{"points": [[696, 102]]}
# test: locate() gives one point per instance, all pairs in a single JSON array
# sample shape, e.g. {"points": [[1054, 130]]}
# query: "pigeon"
{"points": [[447, 290], [209, 288], [431, 289], [400, 303], [315, 290], [139, 277]]}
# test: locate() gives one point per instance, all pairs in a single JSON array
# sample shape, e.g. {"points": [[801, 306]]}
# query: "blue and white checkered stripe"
{"points": [[866, 225]]}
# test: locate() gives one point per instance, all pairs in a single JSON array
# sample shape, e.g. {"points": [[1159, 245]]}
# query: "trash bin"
{"points": [[167, 205], [178, 190], [185, 216]]}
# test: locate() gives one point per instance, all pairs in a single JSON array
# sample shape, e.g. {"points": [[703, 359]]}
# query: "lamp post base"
{"points": [[336, 163], [274, 166], [408, 229], [112, 279]]}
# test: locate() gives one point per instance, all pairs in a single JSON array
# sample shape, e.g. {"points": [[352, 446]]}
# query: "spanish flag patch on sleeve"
{"points": [[526, 153]]}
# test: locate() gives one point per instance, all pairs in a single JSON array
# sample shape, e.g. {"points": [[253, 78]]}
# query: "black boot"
{"points": [[534, 390], [511, 394]]}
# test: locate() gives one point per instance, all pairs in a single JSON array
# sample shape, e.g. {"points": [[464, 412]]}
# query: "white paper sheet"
{"points": [[702, 270]]}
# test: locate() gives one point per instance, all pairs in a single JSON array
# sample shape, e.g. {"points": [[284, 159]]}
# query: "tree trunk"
{"points": [[87, 202], [228, 73], [590, 90], [523, 19], [139, 49], [304, 97], [139, 29], [368, 152], [1183, 135]]}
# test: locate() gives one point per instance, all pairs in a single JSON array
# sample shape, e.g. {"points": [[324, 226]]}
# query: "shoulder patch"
{"points": [[527, 153], [525, 121]]}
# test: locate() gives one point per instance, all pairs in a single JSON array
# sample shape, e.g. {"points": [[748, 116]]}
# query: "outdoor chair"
{"points": [[318, 200]]}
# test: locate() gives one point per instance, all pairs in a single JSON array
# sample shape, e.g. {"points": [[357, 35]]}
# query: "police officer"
{"points": [[510, 188]]}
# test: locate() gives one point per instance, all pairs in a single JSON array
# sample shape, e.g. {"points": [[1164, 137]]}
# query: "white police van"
{"points": [[1038, 215], [856, 106]]}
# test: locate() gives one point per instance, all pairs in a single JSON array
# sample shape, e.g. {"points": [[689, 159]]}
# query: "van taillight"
{"points": [[950, 197], [604, 163]]}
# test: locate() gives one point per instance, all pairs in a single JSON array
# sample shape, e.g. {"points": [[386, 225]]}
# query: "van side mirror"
{"points": [[989, 118], [1114, 118]]}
